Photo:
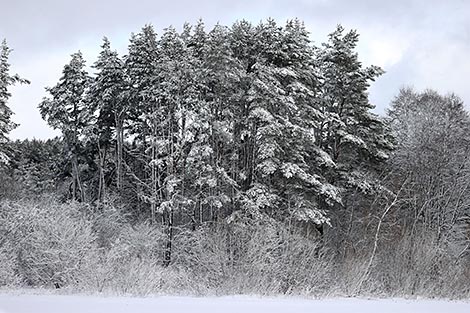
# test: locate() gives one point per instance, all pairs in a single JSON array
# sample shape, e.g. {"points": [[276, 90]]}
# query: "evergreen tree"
{"points": [[356, 140], [6, 80], [275, 132], [37, 166], [107, 97], [243, 122], [209, 159], [168, 124], [67, 110], [350, 133], [141, 73]]}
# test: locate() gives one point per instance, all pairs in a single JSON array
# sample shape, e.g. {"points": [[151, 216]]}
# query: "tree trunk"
{"points": [[119, 147], [76, 180], [102, 165], [169, 241]]}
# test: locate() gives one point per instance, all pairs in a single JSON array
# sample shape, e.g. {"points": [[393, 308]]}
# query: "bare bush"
{"points": [[261, 258], [46, 244], [48, 241]]}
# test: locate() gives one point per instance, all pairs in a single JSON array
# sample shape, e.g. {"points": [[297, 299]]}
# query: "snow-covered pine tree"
{"points": [[107, 98], [6, 81], [177, 96], [351, 133], [305, 167], [279, 165], [210, 156], [356, 139], [36, 165], [142, 99], [66, 109], [141, 71], [246, 106], [197, 40]]}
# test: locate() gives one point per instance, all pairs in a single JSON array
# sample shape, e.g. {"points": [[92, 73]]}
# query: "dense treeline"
{"points": [[240, 159], [242, 122]]}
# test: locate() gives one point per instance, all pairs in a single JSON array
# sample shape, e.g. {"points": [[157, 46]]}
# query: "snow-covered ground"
{"points": [[27, 303]]}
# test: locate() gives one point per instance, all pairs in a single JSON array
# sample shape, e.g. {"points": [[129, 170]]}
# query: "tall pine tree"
{"points": [[6, 81], [66, 109], [107, 94]]}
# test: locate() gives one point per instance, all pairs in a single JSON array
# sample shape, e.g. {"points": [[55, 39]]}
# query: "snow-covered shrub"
{"points": [[278, 259], [8, 276], [262, 258], [419, 264], [7, 257], [406, 264], [204, 254], [49, 241], [47, 244], [127, 258]]}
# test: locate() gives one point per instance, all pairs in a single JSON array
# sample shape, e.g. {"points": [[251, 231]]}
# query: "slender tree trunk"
{"points": [[119, 147], [76, 180], [169, 241], [74, 184], [366, 273], [154, 172], [153, 204], [102, 165]]}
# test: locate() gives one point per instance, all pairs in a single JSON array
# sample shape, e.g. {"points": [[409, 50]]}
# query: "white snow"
{"points": [[27, 303]]}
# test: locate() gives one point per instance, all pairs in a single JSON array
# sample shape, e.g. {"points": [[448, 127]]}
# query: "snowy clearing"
{"points": [[10, 303]]}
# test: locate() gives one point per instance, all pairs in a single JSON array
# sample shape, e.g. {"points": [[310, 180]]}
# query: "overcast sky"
{"points": [[425, 44]]}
